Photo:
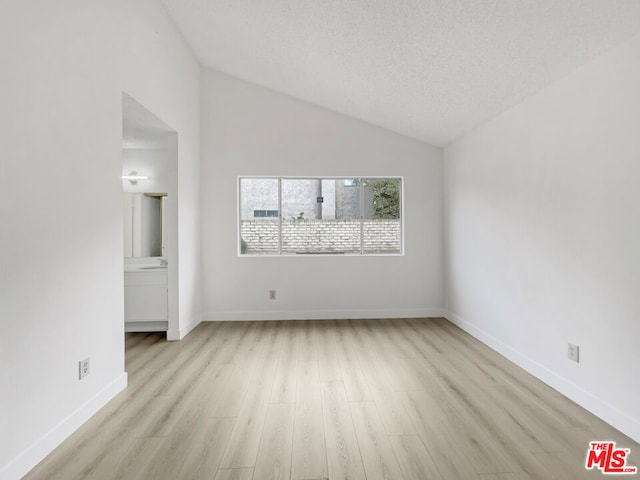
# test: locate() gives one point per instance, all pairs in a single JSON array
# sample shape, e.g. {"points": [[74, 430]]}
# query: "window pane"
{"points": [[381, 223], [320, 216], [258, 229]]}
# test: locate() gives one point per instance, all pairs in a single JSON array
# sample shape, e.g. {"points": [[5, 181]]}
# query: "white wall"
{"points": [[542, 208], [65, 65], [249, 130]]}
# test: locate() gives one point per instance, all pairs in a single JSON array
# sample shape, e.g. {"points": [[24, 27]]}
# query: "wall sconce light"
{"points": [[133, 177]]}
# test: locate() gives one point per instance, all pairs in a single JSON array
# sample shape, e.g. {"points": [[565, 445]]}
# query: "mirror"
{"points": [[144, 226]]}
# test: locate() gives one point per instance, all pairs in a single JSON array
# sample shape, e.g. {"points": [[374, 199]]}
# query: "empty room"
{"points": [[312, 240]]}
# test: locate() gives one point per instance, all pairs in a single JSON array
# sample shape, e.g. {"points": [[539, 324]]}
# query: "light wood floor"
{"points": [[356, 399]]}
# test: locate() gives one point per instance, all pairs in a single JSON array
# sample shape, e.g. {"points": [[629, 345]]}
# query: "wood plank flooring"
{"points": [[334, 399]]}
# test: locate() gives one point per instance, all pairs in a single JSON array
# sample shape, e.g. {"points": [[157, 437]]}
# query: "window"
{"points": [[320, 215], [265, 213]]}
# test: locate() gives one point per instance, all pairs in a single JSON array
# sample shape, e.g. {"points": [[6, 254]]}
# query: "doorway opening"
{"points": [[150, 221]]}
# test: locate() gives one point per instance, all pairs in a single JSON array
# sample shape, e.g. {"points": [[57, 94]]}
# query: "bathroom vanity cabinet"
{"points": [[145, 299]]}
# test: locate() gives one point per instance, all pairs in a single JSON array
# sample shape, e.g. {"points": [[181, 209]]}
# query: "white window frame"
{"points": [[281, 254]]}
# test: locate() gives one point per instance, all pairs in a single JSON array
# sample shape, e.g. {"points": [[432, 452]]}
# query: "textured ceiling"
{"points": [[428, 69]]}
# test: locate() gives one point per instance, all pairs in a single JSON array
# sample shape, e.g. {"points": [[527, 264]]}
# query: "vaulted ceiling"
{"points": [[428, 69]]}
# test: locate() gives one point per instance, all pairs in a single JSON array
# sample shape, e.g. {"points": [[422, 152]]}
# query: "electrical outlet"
{"points": [[84, 367], [573, 352], [272, 294]]}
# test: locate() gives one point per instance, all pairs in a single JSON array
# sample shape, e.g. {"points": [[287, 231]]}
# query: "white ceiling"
{"points": [[428, 69]]}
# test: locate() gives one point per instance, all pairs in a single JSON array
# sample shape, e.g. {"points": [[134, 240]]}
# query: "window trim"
{"points": [[281, 254]]}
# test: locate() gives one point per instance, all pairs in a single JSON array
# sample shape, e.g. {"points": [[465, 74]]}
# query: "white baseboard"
{"points": [[599, 407], [190, 326], [321, 314], [179, 333], [31, 456]]}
